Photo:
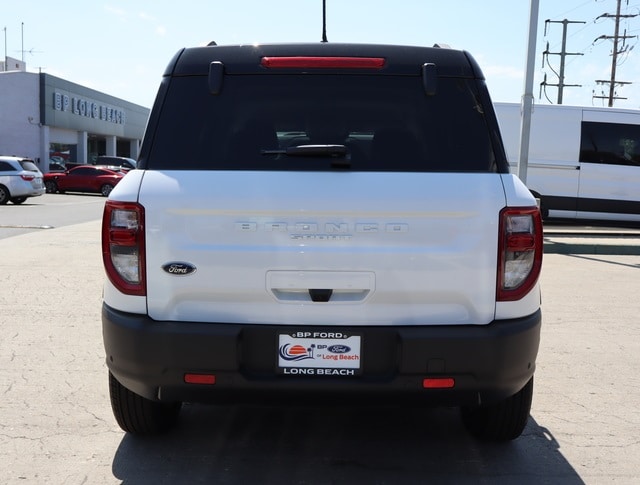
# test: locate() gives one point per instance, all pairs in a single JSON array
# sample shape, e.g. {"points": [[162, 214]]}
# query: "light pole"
{"points": [[527, 97]]}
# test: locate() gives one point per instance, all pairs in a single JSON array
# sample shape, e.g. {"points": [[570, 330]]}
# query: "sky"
{"points": [[121, 47]]}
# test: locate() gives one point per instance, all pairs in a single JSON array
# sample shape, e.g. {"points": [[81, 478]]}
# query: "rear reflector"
{"points": [[200, 379], [438, 382], [306, 62]]}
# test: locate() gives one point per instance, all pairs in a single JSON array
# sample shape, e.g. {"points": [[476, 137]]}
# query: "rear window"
{"points": [[377, 123], [28, 165], [116, 161]]}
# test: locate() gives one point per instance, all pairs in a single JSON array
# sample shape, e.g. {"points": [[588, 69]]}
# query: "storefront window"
{"points": [[97, 146], [62, 154], [123, 148]]}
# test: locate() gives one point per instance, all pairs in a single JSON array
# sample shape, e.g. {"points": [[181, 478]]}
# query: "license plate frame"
{"points": [[319, 353]]}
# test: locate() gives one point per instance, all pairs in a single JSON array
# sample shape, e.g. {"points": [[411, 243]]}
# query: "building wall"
{"points": [[20, 114], [12, 64], [40, 110]]}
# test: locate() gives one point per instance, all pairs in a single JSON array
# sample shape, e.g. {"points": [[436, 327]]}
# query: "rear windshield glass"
{"points": [[360, 123], [28, 165]]}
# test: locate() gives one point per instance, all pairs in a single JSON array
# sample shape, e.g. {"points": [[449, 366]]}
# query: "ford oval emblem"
{"points": [[178, 268], [338, 349]]}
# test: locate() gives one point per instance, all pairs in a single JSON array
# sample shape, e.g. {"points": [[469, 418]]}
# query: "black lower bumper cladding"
{"points": [[486, 362]]}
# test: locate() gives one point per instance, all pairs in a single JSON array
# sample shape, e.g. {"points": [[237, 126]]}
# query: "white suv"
{"points": [[325, 222], [20, 178]]}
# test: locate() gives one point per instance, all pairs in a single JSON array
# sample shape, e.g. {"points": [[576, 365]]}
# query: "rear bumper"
{"points": [[487, 362], [27, 190]]}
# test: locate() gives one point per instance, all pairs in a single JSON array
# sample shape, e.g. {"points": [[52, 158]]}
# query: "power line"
{"points": [[564, 14]]}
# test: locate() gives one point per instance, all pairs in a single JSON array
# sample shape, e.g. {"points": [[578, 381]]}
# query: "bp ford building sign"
{"points": [[88, 108], [67, 105]]}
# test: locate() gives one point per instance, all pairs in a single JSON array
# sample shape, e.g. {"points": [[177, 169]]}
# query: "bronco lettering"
{"points": [[328, 230]]}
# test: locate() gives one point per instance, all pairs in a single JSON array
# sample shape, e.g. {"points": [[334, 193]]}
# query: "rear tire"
{"points": [[503, 421], [51, 187], [4, 195], [138, 415], [106, 189]]}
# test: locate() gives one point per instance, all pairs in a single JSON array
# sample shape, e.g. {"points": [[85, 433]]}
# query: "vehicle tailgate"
{"points": [[373, 248]]}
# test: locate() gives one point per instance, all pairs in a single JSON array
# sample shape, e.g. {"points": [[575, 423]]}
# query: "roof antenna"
{"points": [[324, 21]]}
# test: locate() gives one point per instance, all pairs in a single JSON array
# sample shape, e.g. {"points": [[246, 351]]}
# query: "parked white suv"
{"points": [[323, 221], [20, 179]]}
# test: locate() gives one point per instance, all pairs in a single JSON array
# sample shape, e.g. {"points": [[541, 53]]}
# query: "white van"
{"points": [[584, 162]]}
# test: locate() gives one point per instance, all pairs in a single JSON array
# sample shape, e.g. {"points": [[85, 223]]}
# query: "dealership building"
{"points": [[50, 119]]}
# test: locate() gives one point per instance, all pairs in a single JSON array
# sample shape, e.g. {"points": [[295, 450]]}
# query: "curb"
{"points": [[612, 247]]}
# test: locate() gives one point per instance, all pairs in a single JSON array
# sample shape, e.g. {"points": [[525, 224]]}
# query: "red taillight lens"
{"points": [[123, 246], [438, 383], [519, 252], [27, 178], [307, 62]]}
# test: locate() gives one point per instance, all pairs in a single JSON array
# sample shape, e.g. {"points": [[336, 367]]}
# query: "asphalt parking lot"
{"points": [[57, 427], [49, 211]]}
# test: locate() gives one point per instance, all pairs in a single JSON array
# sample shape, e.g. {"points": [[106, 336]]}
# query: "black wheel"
{"points": [[544, 210], [502, 421], [18, 200], [138, 415], [106, 189], [51, 187], [4, 195]]}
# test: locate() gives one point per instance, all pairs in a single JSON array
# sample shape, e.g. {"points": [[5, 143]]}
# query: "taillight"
{"points": [[519, 252], [310, 62], [27, 178], [123, 246]]}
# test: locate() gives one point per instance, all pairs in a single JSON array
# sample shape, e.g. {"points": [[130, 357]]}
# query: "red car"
{"points": [[84, 178]]}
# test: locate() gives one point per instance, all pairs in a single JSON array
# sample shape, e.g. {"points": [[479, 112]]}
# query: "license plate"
{"points": [[319, 353]]}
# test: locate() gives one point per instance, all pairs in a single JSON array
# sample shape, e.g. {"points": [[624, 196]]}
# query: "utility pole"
{"points": [[614, 60], [563, 53]]}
